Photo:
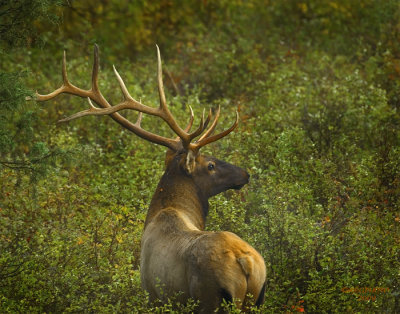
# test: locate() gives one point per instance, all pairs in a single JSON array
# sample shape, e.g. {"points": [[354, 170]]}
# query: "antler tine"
{"points": [[95, 71], [64, 69], [130, 102], [163, 101], [69, 88], [139, 119], [202, 126], [91, 111], [207, 140], [63, 88], [189, 126], [164, 111], [122, 85], [212, 127]]}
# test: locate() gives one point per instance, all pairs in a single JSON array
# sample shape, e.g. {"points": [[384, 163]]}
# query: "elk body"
{"points": [[177, 256]]}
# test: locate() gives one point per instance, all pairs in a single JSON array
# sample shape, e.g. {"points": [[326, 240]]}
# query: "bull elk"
{"points": [[177, 255]]}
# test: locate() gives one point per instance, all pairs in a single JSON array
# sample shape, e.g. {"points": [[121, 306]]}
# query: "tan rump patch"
{"points": [[246, 262]]}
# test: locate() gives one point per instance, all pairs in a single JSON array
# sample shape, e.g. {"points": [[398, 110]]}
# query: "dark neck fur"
{"points": [[178, 190]]}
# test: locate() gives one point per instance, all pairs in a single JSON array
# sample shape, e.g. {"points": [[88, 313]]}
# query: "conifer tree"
{"points": [[19, 150]]}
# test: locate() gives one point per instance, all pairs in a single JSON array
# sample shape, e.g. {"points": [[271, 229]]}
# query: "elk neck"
{"points": [[178, 190]]}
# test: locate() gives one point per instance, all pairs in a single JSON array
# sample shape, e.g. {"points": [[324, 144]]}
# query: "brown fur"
{"points": [[178, 255]]}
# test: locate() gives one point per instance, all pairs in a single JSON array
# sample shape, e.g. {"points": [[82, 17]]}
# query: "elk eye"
{"points": [[211, 166]]}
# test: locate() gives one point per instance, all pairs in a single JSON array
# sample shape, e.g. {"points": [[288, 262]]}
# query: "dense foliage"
{"points": [[317, 83]]}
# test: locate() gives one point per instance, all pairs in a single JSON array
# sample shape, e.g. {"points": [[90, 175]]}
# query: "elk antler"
{"points": [[93, 94]]}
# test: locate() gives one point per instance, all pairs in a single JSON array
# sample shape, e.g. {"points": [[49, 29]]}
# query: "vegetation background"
{"points": [[317, 86]]}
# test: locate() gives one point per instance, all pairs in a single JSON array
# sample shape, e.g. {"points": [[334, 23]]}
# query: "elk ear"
{"points": [[189, 164]]}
